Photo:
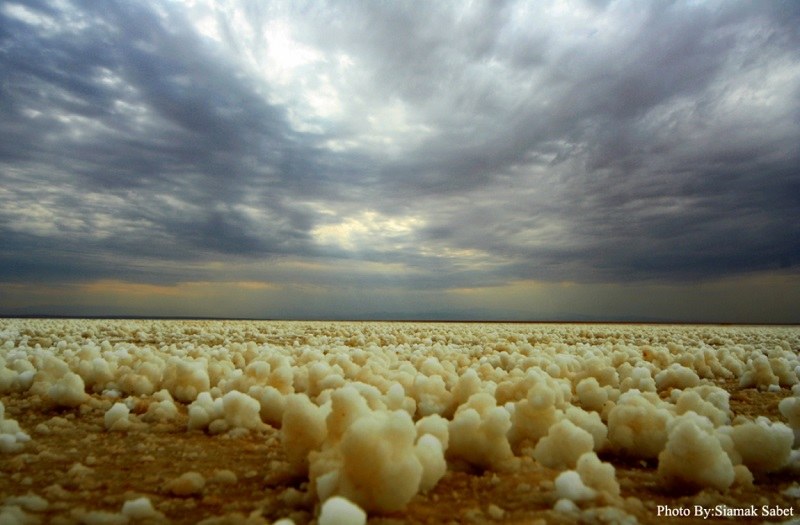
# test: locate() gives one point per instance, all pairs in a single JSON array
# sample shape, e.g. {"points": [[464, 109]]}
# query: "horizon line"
{"points": [[398, 320]]}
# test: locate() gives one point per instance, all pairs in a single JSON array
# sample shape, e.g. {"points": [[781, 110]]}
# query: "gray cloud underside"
{"points": [[653, 141]]}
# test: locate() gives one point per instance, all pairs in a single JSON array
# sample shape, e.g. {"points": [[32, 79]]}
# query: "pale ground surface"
{"points": [[113, 467]]}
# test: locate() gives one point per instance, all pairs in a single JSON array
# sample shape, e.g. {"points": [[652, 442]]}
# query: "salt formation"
{"points": [[241, 411], [591, 481], [16, 376], [372, 457], [12, 438], [597, 475], [141, 509], [340, 511], [764, 446], [429, 450], [15, 515], [187, 484], [676, 376], [68, 391], [569, 485], [186, 379], [591, 395], [563, 445], [303, 430], [478, 433], [375, 463], [694, 456], [534, 415], [790, 409], [162, 409], [204, 410], [637, 424], [374, 414], [116, 418], [709, 401]]}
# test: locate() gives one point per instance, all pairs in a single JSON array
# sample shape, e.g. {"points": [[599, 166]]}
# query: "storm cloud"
{"points": [[398, 147]]}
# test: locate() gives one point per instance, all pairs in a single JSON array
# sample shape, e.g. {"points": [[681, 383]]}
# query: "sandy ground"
{"points": [[80, 467]]}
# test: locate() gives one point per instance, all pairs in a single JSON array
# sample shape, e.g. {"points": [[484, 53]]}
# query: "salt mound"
{"points": [[378, 459], [303, 430], [694, 457], [379, 467], [339, 511], [12, 380], [637, 425], [435, 425], [187, 484], [234, 410], [242, 411], [430, 453], [714, 406], [14, 515], [478, 433], [790, 409], [370, 413], [377, 464], [570, 486], [591, 423], [12, 438], [272, 403], [534, 415], [763, 445], [759, 374], [186, 379], [116, 418], [141, 509], [204, 410], [676, 376], [591, 395], [598, 475], [68, 391], [162, 409], [563, 445]]}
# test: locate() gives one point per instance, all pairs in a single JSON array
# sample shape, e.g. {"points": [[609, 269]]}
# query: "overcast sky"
{"points": [[497, 160]]}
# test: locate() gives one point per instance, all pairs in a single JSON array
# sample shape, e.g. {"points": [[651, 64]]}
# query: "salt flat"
{"points": [[127, 421]]}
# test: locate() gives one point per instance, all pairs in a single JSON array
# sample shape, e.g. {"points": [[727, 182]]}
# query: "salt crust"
{"points": [[432, 403]]}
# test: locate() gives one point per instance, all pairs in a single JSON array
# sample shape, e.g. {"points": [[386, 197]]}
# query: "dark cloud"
{"points": [[468, 144], [134, 106]]}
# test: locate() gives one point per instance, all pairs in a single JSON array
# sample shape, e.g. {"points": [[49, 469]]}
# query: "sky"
{"points": [[548, 160]]}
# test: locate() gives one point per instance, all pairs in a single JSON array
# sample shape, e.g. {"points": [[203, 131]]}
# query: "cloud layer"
{"points": [[393, 145]]}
